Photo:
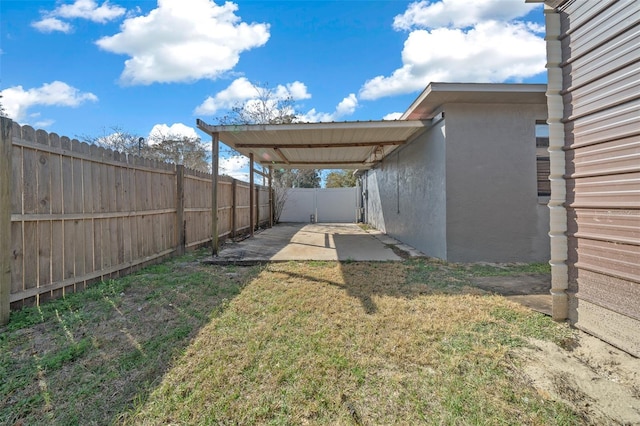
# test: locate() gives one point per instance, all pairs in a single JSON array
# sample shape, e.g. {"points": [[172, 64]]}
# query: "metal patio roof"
{"points": [[362, 144], [343, 145]]}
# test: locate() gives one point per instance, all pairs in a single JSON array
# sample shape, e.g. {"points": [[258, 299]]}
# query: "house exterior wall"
{"points": [[600, 74], [493, 210], [466, 189], [405, 196]]}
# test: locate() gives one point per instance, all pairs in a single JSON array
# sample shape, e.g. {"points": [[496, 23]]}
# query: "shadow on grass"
{"points": [[412, 278], [93, 355], [327, 343]]}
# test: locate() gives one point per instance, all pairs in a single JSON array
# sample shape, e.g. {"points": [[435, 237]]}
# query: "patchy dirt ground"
{"points": [[531, 290], [600, 382]]}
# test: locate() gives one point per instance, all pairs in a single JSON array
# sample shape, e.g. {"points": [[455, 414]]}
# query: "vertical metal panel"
{"points": [[336, 205], [601, 90], [327, 205]]}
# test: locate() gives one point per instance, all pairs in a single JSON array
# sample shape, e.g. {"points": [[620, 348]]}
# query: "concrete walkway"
{"points": [[300, 241]]}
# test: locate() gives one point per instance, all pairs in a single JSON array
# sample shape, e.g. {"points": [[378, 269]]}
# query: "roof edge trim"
{"points": [[209, 128]]}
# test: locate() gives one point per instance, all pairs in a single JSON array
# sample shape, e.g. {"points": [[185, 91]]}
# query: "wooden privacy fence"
{"points": [[73, 213]]}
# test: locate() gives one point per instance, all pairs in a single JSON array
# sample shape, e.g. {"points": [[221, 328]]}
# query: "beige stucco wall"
{"points": [[493, 210], [406, 195], [466, 190]]}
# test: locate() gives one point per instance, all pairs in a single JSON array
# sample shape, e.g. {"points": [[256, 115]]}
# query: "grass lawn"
{"points": [[289, 343]]}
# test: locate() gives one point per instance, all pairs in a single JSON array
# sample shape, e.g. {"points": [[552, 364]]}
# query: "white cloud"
{"points": [[175, 130], [242, 91], [18, 101], [235, 166], [49, 25], [346, 107], [89, 9], [298, 90], [43, 124], [461, 41], [183, 41], [392, 116], [459, 13], [80, 9]]}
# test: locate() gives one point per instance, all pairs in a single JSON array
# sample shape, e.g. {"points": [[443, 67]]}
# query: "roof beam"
{"points": [[319, 145], [319, 163], [281, 155]]}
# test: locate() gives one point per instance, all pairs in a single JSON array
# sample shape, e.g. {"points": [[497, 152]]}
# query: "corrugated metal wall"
{"points": [[601, 92]]}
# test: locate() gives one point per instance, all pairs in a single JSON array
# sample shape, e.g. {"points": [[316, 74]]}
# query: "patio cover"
{"points": [[344, 145]]}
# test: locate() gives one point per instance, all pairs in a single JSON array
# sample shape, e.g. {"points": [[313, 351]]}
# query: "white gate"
{"points": [[328, 205]]}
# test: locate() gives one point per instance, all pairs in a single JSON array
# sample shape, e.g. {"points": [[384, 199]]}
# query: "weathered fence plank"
{"points": [[17, 236], [30, 206], [43, 229], [78, 225], [6, 171], [56, 203], [87, 208]]}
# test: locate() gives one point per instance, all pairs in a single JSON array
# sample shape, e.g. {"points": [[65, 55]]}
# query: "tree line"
{"points": [[172, 148]]}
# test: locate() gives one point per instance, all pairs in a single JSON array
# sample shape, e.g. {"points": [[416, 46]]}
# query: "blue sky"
{"points": [[82, 67]]}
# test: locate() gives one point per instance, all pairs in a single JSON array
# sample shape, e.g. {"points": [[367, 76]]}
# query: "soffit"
{"points": [[433, 98]]}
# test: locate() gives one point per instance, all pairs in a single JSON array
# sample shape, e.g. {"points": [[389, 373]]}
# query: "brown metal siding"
{"points": [[601, 82]]}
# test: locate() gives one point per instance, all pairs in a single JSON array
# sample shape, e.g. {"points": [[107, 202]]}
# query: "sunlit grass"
{"points": [[293, 343], [91, 356], [357, 342]]}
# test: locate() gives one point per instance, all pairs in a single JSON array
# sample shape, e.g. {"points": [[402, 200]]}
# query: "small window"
{"points": [[542, 159]]}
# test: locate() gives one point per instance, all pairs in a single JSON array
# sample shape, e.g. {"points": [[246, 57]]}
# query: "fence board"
{"points": [[133, 221], [67, 206], [16, 180], [30, 181], [96, 208], [57, 258], [5, 217], [78, 225], [87, 207], [30, 250], [17, 247], [43, 228], [56, 202], [17, 264], [44, 253], [80, 213], [118, 209], [30, 205]]}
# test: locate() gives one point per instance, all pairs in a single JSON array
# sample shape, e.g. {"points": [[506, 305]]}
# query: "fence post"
{"points": [[257, 207], [271, 197], [5, 218], [234, 203], [180, 209], [215, 152], [251, 194]]}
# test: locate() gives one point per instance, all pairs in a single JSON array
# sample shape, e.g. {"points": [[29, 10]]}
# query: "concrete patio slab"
{"points": [[300, 241]]}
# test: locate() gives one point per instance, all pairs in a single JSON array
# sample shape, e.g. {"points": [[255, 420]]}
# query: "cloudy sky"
{"points": [[78, 67]]}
